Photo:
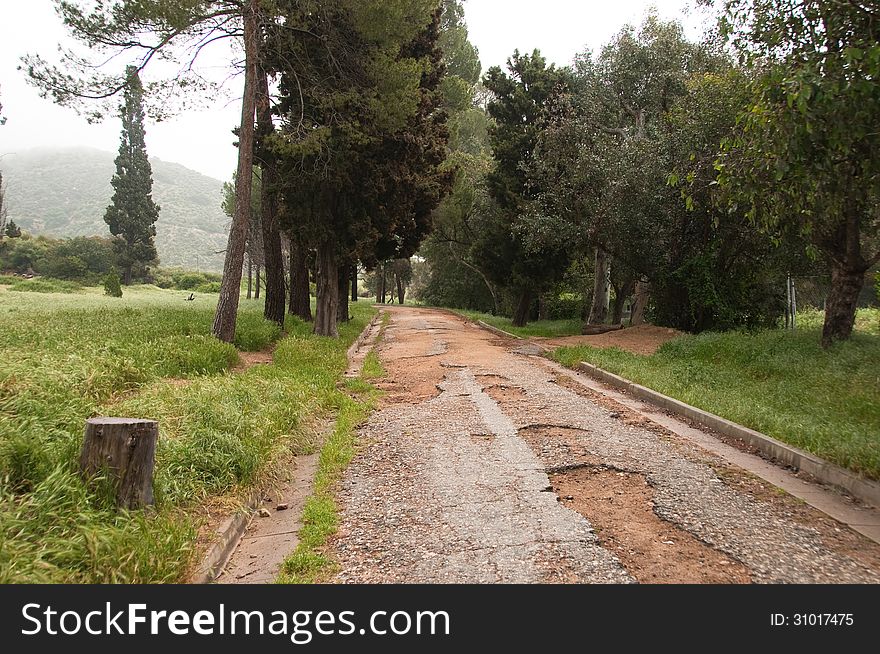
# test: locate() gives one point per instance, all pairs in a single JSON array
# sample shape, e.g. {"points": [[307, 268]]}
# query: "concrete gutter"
{"points": [[228, 536], [866, 490], [231, 531]]}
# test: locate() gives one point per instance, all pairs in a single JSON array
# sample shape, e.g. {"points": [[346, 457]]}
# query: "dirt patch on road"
{"points": [[644, 339], [502, 393], [620, 507]]}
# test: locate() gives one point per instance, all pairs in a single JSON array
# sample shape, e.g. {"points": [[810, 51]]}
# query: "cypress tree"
{"points": [[132, 213]]}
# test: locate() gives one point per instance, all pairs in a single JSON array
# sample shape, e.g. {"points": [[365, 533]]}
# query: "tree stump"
{"points": [[125, 450]]}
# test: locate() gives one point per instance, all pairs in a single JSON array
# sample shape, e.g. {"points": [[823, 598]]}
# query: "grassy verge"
{"points": [[545, 328], [148, 354], [308, 564], [780, 383]]}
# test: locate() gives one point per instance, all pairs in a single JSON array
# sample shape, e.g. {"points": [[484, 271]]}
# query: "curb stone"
{"points": [[231, 531]]}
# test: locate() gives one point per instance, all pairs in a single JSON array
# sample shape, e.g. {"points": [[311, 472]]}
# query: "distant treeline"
{"points": [[87, 260]]}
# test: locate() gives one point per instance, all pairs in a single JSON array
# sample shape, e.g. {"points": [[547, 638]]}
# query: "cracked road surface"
{"points": [[486, 465]]}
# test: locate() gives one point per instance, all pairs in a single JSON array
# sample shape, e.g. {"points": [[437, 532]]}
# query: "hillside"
{"points": [[65, 192]]}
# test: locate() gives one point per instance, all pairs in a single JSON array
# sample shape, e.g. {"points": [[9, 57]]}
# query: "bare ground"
{"points": [[642, 339], [485, 465]]}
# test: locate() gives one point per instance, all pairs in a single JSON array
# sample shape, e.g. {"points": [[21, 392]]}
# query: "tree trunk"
{"points": [[230, 288], [354, 283], [300, 298], [523, 306], [621, 295], [640, 304], [250, 269], [275, 300], [401, 290], [125, 451], [601, 296], [542, 308], [840, 308], [126, 276], [380, 281], [328, 291], [342, 309], [258, 285]]}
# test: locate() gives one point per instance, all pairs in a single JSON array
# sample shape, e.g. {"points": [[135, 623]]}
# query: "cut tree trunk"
{"points": [[230, 288], [300, 298], [840, 308], [601, 296], [272, 258], [342, 310], [640, 303], [124, 450], [328, 291], [523, 306]]}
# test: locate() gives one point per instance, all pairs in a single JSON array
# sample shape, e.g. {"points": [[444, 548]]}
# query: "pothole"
{"points": [[502, 393], [482, 438], [619, 505]]}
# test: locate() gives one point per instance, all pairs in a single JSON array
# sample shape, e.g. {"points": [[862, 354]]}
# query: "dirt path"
{"points": [[642, 339], [484, 465]]}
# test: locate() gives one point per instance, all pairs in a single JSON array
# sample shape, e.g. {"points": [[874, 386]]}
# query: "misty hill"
{"points": [[65, 192]]}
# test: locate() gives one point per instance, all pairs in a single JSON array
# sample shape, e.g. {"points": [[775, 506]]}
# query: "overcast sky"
{"points": [[203, 140]]}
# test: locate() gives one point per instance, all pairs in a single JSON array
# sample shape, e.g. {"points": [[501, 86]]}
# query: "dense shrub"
{"points": [[112, 286]]}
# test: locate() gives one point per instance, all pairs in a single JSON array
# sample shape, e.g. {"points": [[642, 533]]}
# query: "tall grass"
{"points": [[780, 383], [78, 356]]}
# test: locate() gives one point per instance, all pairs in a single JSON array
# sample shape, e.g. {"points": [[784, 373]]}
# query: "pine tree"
{"points": [[132, 213]]}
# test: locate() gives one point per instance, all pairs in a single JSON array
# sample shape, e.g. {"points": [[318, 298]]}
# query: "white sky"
{"points": [[203, 141]]}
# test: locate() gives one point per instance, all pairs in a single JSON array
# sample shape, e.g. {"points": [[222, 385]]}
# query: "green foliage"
{"points": [[132, 213], [12, 230], [519, 105], [778, 382], [80, 259], [806, 159], [112, 287]]}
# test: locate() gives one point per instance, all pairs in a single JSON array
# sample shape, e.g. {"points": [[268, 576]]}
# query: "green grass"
{"points": [[541, 328], [73, 357], [45, 285], [308, 564], [780, 383]]}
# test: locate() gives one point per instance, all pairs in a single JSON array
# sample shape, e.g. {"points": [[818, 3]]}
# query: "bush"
{"points": [[111, 284], [564, 306], [189, 281], [210, 287]]}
